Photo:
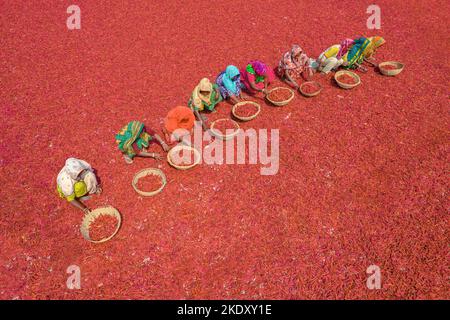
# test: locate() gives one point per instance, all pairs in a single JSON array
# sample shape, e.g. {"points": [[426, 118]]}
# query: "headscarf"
{"points": [[259, 67], [230, 73], [69, 174], [133, 132], [290, 62], [204, 85], [345, 45], [375, 43], [180, 117]]}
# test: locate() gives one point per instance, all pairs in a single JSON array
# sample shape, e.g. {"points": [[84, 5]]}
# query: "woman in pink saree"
{"points": [[256, 77]]}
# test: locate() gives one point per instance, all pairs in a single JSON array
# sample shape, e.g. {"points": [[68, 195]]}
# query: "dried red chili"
{"points": [[102, 227], [246, 110], [347, 79], [389, 67], [280, 94], [149, 183], [184, 157], [223, 125], [310, 88]]}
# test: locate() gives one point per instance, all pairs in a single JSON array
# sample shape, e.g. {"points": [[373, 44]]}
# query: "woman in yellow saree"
{"points": [[205, 97]]}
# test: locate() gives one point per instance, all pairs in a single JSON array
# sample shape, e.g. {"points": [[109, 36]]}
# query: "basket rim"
{"points": [[311, 94], [94, 214], [224, 136], [233, 110], [344, 85], [399, 66], [397, 63], [280, 103], [197, 155], [145, 172]]}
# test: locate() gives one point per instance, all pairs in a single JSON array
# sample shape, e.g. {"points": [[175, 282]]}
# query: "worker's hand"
{"points": [[157, 156], [166, 147], [362, 68]]}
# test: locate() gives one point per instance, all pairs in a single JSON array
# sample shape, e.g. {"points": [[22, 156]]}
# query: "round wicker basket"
{"points": [[310, 94], [399, 68], [94, 214], [146, 172], [219, 134], [345, 85], [253, 116], [174, 150], [280, 103]]}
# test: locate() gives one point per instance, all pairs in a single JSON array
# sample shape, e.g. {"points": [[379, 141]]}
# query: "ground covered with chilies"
{"points": [[363, 175]]}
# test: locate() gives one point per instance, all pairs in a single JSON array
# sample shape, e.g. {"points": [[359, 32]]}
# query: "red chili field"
{"points": [[363, 173]]}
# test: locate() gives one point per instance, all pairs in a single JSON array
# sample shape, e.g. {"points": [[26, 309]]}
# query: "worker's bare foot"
{"points": [[128, 160]]}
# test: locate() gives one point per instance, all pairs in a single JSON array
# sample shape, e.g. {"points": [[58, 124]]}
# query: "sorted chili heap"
{"points": [[149, 183], [347, 79], [183, 157], [246, 110], [310, 87], [225, 126], [280, 94], [389, 67], [102, 227]]}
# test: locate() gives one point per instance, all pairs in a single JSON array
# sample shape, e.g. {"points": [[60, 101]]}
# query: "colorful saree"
{"points": [[294, 61], [229, 82], [256, 72], [199, 101], [375, 43], [133, 138], [76, 179], [355, 55], [179, 118]]}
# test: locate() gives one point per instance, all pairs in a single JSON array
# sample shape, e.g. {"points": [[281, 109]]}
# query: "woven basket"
{"points": [[394, 72], [219, 135], [310, 94], [94, 214], [237, 105], [344, 85], [280, 103], [197, 157], [146, 172]]}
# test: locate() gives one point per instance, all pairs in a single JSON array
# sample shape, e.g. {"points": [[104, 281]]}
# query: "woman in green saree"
{"points": [[133, 140], [362, 50]]}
